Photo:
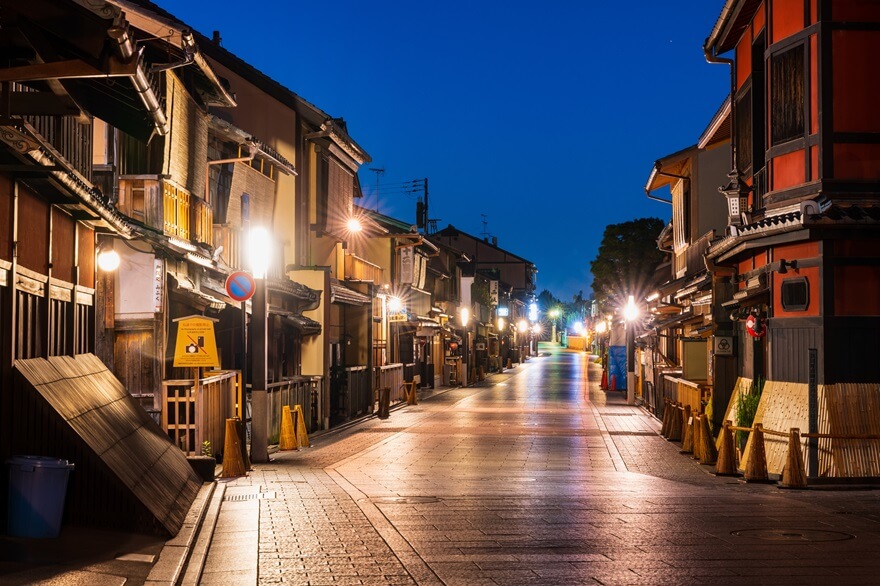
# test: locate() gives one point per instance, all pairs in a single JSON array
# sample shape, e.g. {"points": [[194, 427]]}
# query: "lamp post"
{"points": [[630, 313], [259, 248], [554, 314]]}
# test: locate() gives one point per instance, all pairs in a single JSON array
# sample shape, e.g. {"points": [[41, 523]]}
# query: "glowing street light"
{"points": [[260, 252], [108, 260], [395, 304], [464, 316], [630, 314], [522, 325], [354, 225]]}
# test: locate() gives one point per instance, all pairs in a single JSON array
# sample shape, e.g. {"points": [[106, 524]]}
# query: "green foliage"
{"points": [[207, 449], [747, 408], [480, 293], [627, 261]]}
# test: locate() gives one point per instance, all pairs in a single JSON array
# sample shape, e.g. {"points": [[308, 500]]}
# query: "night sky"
{"points": [[541, 119]]}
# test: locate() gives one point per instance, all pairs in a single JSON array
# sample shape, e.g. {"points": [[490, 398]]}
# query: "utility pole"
{"points": [[378, 171], [485, 233]]}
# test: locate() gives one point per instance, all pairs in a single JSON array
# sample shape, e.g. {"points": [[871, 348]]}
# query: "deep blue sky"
{"points": [[544, 116]]}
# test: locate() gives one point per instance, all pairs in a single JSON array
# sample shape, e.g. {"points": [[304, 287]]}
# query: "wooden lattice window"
{"points": [[787, 94]]}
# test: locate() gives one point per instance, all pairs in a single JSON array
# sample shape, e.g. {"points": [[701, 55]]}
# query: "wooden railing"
{"points": [[390, 376], [298, 390], [356, 397], [161, 205], [202, 221], [176, 217], [357, 269], [679, 390], [192, 417]]}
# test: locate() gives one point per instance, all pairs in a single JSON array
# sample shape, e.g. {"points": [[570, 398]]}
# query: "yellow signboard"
{"points": [[397, 317], [196, 344]]}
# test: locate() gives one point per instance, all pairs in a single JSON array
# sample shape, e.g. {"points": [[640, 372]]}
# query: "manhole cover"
{"points": [[253, 496], [793, 535], [405, 500]]}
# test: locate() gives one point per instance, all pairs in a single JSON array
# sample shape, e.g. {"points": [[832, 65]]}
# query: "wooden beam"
{"points": [[70, 69]]}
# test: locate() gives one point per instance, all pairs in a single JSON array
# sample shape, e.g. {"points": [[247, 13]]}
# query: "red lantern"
{"points": [[755, 326]]}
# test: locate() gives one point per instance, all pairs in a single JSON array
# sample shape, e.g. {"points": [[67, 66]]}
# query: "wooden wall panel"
{"points": [[857, 161], [63, 245], [855, 10], [33, 222], [858, 290], [787, 18], [789, 341], [855, 75], [6, 201], [86, 260], [851, 345], [788, 170]]}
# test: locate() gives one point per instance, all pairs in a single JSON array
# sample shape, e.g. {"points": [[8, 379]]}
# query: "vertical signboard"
{"points": [[406, 265], [158, 284], [493, 292]]}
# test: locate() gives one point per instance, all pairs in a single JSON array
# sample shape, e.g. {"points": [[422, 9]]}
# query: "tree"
{"points": [[547, 301], [627, 262]]}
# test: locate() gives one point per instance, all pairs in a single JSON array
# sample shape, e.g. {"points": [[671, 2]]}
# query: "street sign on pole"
{"points": [[240, 286]]}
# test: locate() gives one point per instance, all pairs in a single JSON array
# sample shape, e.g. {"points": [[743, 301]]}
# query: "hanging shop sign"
{"points": [[723, 346]]}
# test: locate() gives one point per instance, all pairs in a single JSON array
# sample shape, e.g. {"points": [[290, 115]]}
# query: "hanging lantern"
{"points": [[755, 326]]}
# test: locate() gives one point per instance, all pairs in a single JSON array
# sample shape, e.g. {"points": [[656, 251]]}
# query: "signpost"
{"points": [[240, 286], [196, 345]]}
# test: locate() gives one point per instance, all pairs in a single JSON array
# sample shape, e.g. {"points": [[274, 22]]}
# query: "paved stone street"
{"points": [[534, 477]]}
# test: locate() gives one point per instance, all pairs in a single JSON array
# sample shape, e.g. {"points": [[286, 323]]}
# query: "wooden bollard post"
{"points": [[687, 443], [233, 464], [664, 427], [287, 439], [726, 463], [674, 422], [708, 452], [756, 464], [696, 421], [794, 475]]}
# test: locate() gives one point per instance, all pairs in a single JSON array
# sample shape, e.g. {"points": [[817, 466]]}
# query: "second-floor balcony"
{"points": [[358, 269], [163, 206]]}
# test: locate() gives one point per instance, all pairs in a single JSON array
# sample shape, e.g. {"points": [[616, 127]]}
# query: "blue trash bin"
{"points": [[37, 487]]}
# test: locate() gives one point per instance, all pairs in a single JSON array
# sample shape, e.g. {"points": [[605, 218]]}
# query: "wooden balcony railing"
{"points": [[357, 269], [163, 206]]}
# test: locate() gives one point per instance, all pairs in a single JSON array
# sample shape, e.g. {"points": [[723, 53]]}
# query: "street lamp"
{"points": [[554, 314], [259, 249], [630, 313]]}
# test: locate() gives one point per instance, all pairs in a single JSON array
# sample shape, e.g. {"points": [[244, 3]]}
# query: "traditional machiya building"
{"points": [[803, 243], [91, 164], [679, 338]]}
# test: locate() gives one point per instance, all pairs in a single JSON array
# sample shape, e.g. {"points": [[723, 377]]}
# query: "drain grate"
{"points": [[405, 500], [251, 496], [810, 535]]}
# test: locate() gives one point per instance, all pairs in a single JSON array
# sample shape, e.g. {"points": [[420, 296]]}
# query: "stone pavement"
{"points": [[534, 476]]}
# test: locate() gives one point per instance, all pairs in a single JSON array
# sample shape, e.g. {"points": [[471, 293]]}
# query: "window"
{"points": [[795, 294], [744, 132], [787, 95]]}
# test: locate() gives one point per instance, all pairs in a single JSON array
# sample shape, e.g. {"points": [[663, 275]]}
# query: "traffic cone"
{"points": [[726, 462], [794, 475], [604, 384], [299, 424], [756, 465], [698, 435], [233, 465], [674, 422], [242, 439], [687, 443], [287, 441], [708, 452], [613, 386]]}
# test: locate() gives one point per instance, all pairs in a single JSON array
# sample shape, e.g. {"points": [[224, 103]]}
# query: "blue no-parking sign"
{"points": [[240, 286]]}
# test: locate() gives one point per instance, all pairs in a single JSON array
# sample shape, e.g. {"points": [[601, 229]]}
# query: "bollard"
{"points": [[384, 403], [756, 464], [664, 427], [674, 423], [708, 453], [687, 442], [726, 462], [299, 426], [233, 464], [696, 421], [409, 392], [287, 441], [794, 475]]}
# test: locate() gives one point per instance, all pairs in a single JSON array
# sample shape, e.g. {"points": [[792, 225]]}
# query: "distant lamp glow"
{"points": [[464, 316], [536, 329], [522, 325], [108, 260], [578, 327], [601, 327], [395, 304], [500, 323], [260, 250], [554, 313], [533, 312], [354, 225], [631, 311]]}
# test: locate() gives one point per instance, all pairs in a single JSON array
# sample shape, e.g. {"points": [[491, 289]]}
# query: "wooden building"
{"points": [[803, 241]]}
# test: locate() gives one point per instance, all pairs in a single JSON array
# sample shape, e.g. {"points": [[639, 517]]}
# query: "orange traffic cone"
{"points": [[233, 465], [726, 462], [708, 452], [756, 465], [794, 475], [687, 443]]}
